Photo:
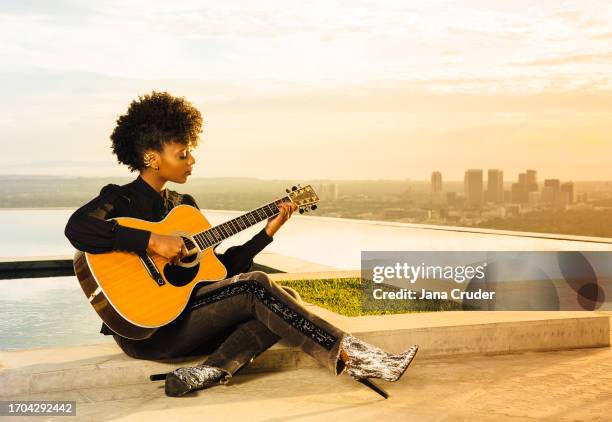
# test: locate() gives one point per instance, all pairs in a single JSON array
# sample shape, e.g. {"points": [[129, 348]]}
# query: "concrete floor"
{"points": [[572, 385]]}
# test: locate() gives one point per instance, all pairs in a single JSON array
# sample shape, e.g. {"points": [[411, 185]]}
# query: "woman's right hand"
{"points": [[168, 246]]}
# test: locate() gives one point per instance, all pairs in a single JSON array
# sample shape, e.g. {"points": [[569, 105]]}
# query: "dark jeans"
{"points": [[236, 319]]}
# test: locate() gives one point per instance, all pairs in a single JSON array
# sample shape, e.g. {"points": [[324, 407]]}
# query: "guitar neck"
{"points": [[219, 233]]}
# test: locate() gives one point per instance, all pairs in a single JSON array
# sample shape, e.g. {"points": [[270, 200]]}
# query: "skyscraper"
{"points": [[550, 191], [527, 183], [495, 186], [436, 182], [327, 191], [473, 187], [531, 181], [569, 188], [519, 192]]}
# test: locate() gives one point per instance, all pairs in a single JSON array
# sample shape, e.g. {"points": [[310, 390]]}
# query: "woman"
{"points": [[235, 319]]}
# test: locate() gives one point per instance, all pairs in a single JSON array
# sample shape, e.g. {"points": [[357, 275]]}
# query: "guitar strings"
{"points": [[214, 235]]}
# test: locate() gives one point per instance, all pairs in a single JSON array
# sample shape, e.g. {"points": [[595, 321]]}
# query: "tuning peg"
{"points": [[313, 207], [294, 188], [301, 210], [287, 190]]}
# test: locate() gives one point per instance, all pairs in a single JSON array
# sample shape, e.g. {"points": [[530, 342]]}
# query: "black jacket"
{"points": [[91, 228]]}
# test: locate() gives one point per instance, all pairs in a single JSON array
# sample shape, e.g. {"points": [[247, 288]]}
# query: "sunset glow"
{"points": [[342, 90]]}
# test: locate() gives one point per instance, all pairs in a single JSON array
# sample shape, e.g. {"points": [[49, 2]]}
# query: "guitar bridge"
{"points": [[152, 269]]}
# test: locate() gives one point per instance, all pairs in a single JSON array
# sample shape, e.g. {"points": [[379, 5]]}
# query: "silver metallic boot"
{"points": [[368, 361], [183, 380]]}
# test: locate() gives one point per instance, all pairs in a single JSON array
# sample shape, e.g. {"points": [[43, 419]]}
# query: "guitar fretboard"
{"points": [[217, 234]]}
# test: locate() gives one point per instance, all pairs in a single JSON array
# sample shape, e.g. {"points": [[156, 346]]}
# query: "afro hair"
{"points": [[150, 122]]}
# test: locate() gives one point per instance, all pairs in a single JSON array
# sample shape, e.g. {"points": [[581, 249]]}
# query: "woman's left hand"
{"points": [[274, 223]]}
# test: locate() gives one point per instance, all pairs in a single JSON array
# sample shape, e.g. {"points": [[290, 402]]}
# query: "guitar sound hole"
{"points": [[189, 259], [180, 276]]}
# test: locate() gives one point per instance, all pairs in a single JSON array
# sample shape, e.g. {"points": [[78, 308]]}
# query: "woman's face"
{"points": [[175, 162]]}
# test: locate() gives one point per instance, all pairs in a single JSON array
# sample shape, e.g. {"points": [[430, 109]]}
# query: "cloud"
{"points": [[603, 58], [323, 43], [602, 36], [323, 73]]}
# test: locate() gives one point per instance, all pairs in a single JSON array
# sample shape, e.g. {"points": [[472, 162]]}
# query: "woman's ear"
{"points": [[151, 159]]}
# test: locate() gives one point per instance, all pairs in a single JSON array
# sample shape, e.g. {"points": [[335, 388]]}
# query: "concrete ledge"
{"points": [[438, 334], [105, 365]]}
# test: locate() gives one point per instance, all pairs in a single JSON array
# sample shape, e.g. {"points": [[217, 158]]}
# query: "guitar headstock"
{"points": [[304, 197]]}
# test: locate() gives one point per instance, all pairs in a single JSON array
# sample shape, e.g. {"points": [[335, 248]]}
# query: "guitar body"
{"points": [[135, 295]]}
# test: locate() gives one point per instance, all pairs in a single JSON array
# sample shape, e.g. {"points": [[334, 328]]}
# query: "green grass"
{"points": [[343, 296]]}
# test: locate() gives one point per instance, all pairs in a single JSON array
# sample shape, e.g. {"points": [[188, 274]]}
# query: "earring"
{"points": [[148, 161]]}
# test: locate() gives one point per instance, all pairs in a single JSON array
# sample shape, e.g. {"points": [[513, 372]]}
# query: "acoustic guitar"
{"points": [[137, 294]]}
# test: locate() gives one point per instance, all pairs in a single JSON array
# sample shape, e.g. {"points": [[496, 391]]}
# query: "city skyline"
{"points": [[526, 190]]}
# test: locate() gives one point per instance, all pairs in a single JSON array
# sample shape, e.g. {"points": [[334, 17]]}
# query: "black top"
{"points": [[91, 228]]}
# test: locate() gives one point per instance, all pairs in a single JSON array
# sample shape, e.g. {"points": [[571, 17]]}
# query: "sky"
{"points": [[316, 90]]}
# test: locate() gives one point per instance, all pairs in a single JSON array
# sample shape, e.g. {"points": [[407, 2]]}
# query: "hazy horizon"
{"points": [[356, 90], [316, 179]]}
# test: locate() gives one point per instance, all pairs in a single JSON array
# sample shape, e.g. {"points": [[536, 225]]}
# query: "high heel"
{"points": [[183, 380], [368, 361], [376, 388]]}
